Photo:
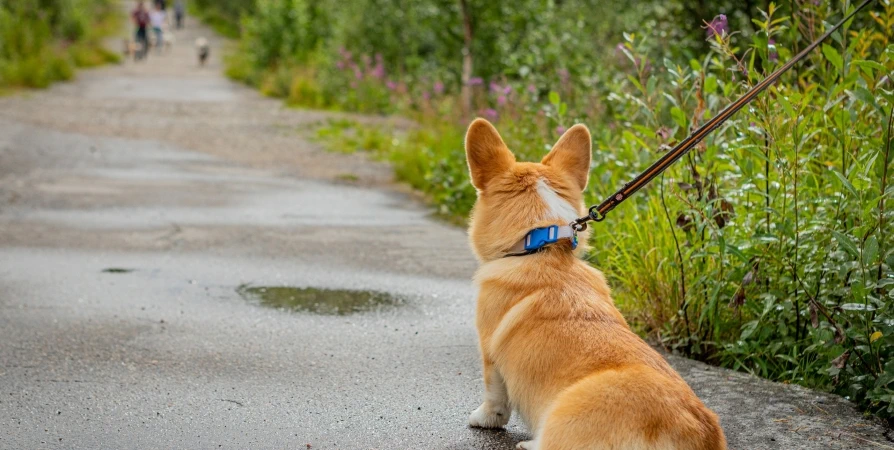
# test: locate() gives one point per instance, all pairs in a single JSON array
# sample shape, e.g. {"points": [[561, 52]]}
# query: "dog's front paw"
{"points": [[488, 417], [526, 445]]}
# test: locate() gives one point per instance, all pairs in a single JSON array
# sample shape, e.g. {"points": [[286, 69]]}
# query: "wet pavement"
{"points": [[182, 267]]}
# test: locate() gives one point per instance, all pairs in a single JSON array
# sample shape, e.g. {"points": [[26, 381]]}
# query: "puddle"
{"points": [[329, 302], [117, 270]]}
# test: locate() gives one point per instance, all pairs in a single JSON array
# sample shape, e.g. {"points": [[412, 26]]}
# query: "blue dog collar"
{"points": [[539, 238]]}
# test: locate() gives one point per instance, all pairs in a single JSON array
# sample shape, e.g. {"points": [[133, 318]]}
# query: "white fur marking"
{"points": [[559, 208]]}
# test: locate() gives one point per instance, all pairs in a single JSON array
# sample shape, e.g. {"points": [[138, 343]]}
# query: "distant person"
{"points": [[141, 21], [179, 11], [157, 18]]}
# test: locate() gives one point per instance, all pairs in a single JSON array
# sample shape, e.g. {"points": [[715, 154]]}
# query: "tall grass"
{"points": [[42, 42]]}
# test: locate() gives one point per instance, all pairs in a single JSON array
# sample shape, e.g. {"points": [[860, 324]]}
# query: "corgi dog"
{"points": [[554, 348]]}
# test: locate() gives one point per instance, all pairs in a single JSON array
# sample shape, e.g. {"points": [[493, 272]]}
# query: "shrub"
{"points": [[42, 42]]}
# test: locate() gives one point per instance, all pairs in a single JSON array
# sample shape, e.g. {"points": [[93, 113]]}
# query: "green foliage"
{"points": [[767, 249], [43, 41], [222, 15]]}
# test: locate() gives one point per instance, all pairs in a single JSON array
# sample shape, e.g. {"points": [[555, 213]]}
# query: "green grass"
{"points": [[33, 55]]}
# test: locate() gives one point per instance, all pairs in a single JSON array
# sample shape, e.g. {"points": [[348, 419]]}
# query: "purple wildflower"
{"points": [[532, 89], [719, 26], [391, 85], [560, 130], [357, 73], [495, 87], [378, 71], [490, 113], [502, 100], [507, 89], [438, 88], [426, 95], [341, 65], [475, 81]]}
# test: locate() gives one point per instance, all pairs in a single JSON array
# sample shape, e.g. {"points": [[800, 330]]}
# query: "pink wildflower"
{"points": [[490, 113], [378, 71], [718, 26]]}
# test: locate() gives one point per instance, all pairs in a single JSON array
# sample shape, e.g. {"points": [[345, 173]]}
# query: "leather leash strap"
{"points": [[597, 213]]}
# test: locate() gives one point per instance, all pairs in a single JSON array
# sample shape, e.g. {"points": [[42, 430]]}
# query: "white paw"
{"points": [[526, 445], [487, 417]]}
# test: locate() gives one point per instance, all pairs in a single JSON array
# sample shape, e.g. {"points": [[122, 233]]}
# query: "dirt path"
{"points": [[141, 202]]}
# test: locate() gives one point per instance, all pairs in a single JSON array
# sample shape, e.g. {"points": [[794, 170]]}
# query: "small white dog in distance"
{"points": [[203, 50]]}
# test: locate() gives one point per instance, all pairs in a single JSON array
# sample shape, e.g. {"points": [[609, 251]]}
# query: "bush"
{"points": [[42, 42]]}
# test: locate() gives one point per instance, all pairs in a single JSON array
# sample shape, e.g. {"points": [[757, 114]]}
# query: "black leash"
{"points": [[597, 213]]}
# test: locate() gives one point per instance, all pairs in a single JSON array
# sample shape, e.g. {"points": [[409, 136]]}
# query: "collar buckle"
{"points": [[541, 237]]}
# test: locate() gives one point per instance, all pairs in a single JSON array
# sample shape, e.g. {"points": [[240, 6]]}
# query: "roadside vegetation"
{"points": [[768, 249], [44, 41]]}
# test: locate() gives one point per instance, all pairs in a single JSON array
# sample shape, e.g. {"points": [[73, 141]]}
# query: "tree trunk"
{"points": [[467, 60]]}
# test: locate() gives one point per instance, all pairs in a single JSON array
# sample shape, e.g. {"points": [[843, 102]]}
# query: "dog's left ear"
{"points": [[571, 155]]}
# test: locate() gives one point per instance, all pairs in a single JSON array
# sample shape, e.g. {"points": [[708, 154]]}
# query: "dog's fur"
{"points": [[554, 347]]}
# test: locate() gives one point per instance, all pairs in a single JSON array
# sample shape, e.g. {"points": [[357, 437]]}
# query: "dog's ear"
{"points": [[486, 153], [571, 155]]}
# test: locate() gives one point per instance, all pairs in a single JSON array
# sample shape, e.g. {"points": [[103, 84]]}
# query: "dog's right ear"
{"points": [[486, 153]]}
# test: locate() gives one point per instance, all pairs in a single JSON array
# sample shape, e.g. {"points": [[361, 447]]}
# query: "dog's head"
{"points": [[516, 197]]}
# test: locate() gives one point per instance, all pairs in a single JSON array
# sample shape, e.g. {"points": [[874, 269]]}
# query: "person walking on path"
{"points": [[179, 10], [141, 21], [157, 18]]}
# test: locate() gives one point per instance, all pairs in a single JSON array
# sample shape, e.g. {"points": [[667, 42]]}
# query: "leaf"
{"points": [[833, 56], [864, 64], [857, 307], [875, 336], [847, 184], [748, 329], [679, 116], [846, 243], [710, 84], [870, 250], [554, 98]]}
